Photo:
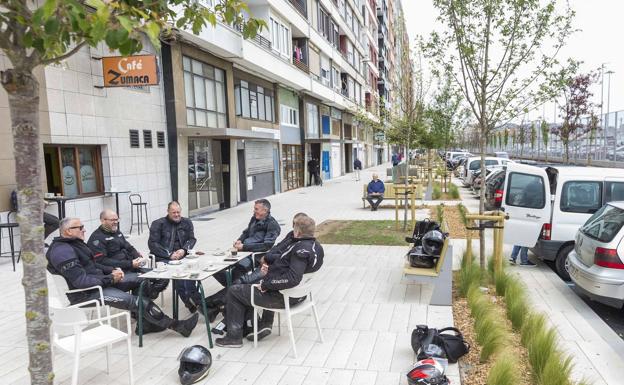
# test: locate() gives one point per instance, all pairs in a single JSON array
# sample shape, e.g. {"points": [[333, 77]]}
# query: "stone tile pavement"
{"points": [[367, 312]]}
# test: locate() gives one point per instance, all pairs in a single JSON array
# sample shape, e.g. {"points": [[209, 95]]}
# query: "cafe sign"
{"points": [[130, 71]]}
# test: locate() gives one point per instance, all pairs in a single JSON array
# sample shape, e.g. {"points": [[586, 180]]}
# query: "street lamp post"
{"points": [[602, 117], [607, 117]]}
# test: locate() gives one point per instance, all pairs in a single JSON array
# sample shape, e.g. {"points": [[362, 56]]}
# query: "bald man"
{"points": [[111, 248]]}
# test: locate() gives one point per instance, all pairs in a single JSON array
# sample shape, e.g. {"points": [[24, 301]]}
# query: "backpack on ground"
{"points": [[446, 343]]}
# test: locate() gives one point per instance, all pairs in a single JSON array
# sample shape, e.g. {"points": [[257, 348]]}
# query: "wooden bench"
{"points": [[393, 194], [440, 276]]}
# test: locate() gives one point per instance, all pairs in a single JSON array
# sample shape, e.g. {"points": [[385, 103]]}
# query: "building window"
{"points": [[204, 90], [160, 138], [313, 121], [253, 101], [281, 37], [289, 116], [134, 139], [147, 138], [73, 171]]}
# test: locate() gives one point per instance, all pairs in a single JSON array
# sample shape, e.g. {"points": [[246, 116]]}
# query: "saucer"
{"points": [[192, 256], [175, 262], [219, 253], [159, 270], [209, 269], [179, 274]]}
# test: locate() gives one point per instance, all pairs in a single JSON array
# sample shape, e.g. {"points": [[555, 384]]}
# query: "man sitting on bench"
{"points": [[375, 191]]}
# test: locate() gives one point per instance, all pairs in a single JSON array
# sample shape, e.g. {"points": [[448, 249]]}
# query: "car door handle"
{"points": [[532, 216]]}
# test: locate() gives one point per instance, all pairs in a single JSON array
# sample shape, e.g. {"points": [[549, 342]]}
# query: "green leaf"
{"points": [[126, 23], [48, 8], [153, 32], [52, 26]]}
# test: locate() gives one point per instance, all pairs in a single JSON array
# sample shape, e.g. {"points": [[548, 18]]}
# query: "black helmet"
{"points": [[432, 242], [427, 372], [195, 362]]}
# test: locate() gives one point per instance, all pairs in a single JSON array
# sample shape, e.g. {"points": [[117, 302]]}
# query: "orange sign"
{"points": [[130, 71]]}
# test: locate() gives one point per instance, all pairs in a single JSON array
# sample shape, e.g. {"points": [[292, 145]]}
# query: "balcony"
{"points": [[300, 6], [302, 66], [259, 39]]}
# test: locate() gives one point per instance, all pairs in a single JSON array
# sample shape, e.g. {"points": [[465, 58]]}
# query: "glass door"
{"points": [[204, 174]]}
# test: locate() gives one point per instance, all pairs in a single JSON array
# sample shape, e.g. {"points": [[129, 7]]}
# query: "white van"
{"points": [[474, 163], [546, 206]]}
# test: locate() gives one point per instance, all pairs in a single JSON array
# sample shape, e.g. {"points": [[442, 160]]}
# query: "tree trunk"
{"points": [[482, 257], [23, 93], [566, 152]]}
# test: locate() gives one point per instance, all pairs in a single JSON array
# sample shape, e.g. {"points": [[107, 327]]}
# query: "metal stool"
{"points": [[139, 206], [10, 226]]}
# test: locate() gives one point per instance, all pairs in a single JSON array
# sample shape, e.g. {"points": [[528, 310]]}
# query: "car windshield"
{"points": [[604, 224]]}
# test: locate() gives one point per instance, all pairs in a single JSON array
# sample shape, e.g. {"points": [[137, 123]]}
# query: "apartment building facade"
{"points": [[232, 120]]}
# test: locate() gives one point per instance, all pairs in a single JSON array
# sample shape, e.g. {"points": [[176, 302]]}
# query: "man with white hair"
{"points": [[375, 192], [70, 257]]}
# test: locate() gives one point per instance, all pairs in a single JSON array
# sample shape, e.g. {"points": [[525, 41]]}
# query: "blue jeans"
{"points": [[523, 253]]}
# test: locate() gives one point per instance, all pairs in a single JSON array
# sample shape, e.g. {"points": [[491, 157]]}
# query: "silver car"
{"points": [[596, 265]]}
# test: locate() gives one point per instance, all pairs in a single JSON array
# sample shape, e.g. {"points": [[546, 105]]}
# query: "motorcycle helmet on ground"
{"points": [[427, 372], [195, 362], [432, 242]]}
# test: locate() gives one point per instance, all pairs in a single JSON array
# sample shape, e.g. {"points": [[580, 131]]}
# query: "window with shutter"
{"points": [[147, 138], [160, 138], [134, 139]]}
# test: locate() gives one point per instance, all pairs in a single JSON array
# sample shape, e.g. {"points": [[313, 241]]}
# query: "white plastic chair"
{"points": [[58, 290], [303, 289], [74, 333]]}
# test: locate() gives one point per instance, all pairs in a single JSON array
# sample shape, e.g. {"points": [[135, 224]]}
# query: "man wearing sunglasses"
{"points": [[112, 249], [70, 257]]}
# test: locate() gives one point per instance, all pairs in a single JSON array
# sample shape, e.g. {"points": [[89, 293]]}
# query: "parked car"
{"points": [[452, 158], [501, 154], [596, 262], [547, 205], [474, 163], [494, 189], [476, 180]]}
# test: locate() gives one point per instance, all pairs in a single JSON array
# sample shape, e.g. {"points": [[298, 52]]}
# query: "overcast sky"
{"points": [[599, 41]]}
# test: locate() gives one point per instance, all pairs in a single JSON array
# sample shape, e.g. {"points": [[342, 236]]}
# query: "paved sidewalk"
{"points": [[598, 352], [367, 312]]}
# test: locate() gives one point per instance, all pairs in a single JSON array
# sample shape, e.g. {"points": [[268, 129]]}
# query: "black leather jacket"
{"points": [[164, 233], [260, 235], [72, 258], [303, 256], [112, 249]]}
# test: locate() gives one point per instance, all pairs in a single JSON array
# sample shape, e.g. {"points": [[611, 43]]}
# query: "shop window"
{"points": [[73, 171]]}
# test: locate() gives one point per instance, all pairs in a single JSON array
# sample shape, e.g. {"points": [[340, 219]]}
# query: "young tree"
{"points": [[506, 138], [545, 132], [34, 34], [522, 137], [577, 103], [485, 44], [593, 123]]}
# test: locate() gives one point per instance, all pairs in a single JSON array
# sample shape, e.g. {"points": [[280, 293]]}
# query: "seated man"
{"points": [[305, 255], [170, 239], [259, 236], [375, 191], [112, 249], [70, 257], [216, 302]]}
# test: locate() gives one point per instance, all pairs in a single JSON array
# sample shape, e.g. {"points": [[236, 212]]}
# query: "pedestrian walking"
{"points": [[524, 257], [357, 166], [312, 170]]}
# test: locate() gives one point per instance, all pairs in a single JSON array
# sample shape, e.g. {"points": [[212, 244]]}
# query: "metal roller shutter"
{"points": [[258, 157]]}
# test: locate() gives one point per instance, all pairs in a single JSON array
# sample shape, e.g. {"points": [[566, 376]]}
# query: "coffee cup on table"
{"points": [[233, 251]]}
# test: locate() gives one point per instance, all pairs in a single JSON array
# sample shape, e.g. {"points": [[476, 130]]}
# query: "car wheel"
{"points": [[562, 264]]}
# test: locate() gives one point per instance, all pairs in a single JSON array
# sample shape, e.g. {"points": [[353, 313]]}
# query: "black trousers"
{"points": [[238, 307]]}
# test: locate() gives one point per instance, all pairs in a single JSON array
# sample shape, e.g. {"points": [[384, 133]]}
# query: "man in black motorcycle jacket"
{"points": [[170, 239], [70, 257], [112, 249], [304, 256]]}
